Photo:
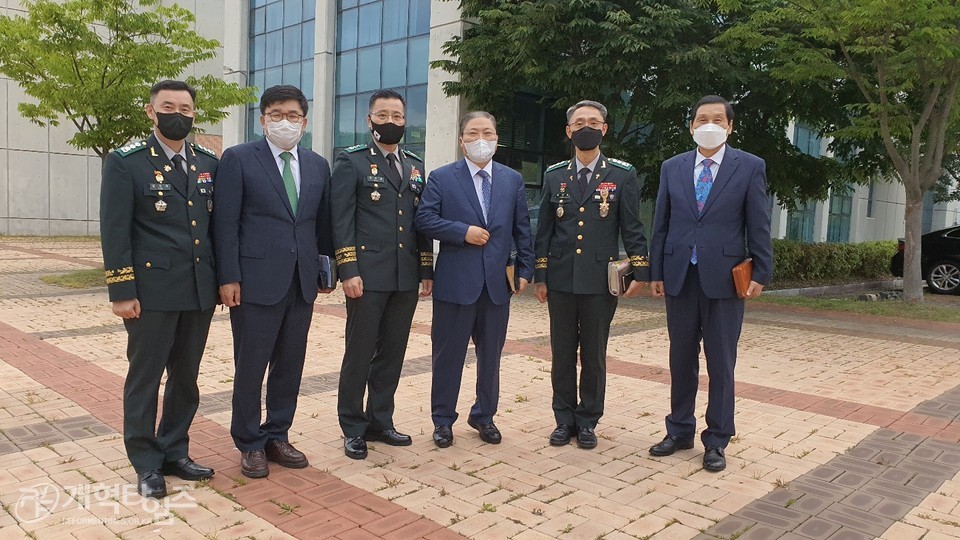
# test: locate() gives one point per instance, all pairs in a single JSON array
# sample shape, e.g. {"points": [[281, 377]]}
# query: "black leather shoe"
{"points": [[187, 469], [713, 459], [586, 438], [562, 435], [488, 432], [443, 436], [355, 448], [389, 436], [151, 484], [669, 445], [253, 464]]}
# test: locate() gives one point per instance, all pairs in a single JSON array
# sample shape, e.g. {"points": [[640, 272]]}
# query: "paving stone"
{"points": [[856, 519], [863, 501], [817, 528], [850, 534], [926, 483], [775, 516], [763, 532]]}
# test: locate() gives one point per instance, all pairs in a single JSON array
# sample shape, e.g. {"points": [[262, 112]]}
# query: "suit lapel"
{"points": [[727, 167], [269, 164], [191, 170], [407, 173], [497, 190], [687, 181], [160, 162], [466, 182], [598, 176]]}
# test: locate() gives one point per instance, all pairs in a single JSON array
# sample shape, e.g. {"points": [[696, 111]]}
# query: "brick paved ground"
{"points": [[847, 428]]}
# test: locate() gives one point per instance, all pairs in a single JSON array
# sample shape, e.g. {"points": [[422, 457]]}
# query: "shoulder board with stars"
{"points": [[558, 165], [620, 163], [131, 148], [355, 148], [205, 150], [411, 154]]}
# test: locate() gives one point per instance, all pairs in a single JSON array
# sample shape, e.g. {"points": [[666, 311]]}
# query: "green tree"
{"points": [[92, 62], [648, 61], [903, 58]]}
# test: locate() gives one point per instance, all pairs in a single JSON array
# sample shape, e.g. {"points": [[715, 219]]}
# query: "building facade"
{"points": [[338, 52]]}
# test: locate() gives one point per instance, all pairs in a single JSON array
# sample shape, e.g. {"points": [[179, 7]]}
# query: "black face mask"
{"points": [[388, 133], [587, 138], [174, 126]]}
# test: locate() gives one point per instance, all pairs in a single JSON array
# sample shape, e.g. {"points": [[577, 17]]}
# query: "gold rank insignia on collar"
{"points": [[153, 152]]}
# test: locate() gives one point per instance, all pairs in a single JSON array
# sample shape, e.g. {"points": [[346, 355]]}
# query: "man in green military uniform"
{"points": [[155, 205], [381, 260], [588, 204]]}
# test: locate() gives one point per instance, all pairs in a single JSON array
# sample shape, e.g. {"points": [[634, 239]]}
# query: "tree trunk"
{"points": [[912, 275]]}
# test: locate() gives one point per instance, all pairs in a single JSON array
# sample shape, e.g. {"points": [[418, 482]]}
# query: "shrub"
{"points": [[798, 261]]}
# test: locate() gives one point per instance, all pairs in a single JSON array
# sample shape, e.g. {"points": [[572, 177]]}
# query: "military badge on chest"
{"points": [[375, 194], [158, 188], [605, 194], [562, 199], [416, 184]]}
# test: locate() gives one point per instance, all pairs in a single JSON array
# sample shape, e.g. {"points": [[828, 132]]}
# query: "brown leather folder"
{"points": [[742, 274], [512, 278]]}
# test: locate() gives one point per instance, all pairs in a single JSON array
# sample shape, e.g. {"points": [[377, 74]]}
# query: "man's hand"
{"points": [[754, 289], [540, 292], [426, 287], [353, 287], [656, 289], [635, 288], [128, 309], [522, 285], [230, 294], [477, 236]]}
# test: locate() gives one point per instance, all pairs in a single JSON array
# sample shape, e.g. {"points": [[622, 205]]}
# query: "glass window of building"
{"points": [[281, 52], [838, 221], [807, 140], [800, 222], [381, 44]]}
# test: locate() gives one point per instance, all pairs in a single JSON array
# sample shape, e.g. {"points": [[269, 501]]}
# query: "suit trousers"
{"points": [[690, 317], [579, 320], [272, 336], [378, 327], [159, 341], [453, 327]]}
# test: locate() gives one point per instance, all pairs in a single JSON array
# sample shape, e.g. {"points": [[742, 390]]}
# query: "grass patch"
{"points": [[81, 279], [887, 308]]}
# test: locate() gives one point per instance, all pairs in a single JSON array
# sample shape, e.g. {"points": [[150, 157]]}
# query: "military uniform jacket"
{"points": [[373, 211], [577, 238], [155, 231]]}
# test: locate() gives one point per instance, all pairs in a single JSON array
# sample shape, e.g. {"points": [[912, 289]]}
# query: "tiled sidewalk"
{"points": [[847, 428]]}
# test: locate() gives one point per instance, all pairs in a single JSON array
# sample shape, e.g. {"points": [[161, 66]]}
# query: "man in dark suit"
{"points": [[588, 204], [712, 205], [381, 260], [477, 209], [270, 226], [154, 227]]}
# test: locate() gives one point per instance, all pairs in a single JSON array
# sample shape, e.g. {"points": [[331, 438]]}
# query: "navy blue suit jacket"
{"points": [[735, 215], [449, 206], [257, 239]]}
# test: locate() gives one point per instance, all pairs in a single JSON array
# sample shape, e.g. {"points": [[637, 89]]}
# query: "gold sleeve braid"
{"points": [[426, 258], [346, 255], [541, 263], [119, 275], [639, 261]]}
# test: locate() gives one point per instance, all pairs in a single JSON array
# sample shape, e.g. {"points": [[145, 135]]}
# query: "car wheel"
{"points": [[944, 277]]}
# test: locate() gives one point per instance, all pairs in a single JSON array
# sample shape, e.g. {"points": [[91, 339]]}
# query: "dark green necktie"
{"points": [[289, 182]]}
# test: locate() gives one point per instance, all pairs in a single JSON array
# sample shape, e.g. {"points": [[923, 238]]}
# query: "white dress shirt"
{"points": [[477, 181], [698, 166], [592, 166]]}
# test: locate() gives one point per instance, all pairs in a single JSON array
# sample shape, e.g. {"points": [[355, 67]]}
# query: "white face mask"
{"points": [[709, 136], [284, 134], [480, 150]]}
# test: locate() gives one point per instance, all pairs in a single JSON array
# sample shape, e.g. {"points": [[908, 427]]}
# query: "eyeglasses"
{"points": [[277, 116], [489, 135], [595, 124], [383, 116]]}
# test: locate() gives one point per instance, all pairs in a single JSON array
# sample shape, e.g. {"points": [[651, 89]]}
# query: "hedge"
{"points": [[798, 261]]}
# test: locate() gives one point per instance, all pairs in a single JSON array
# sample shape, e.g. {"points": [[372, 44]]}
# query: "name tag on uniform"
{"points": [[160, 187]]}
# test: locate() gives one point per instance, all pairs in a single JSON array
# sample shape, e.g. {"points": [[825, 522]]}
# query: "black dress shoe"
{"points": [[586, 438], [187, 469], [443, 436], [151, 484], [355, 448], [713, 459], [389, 436], [488, 432], [669, 445], [562, 435]]}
